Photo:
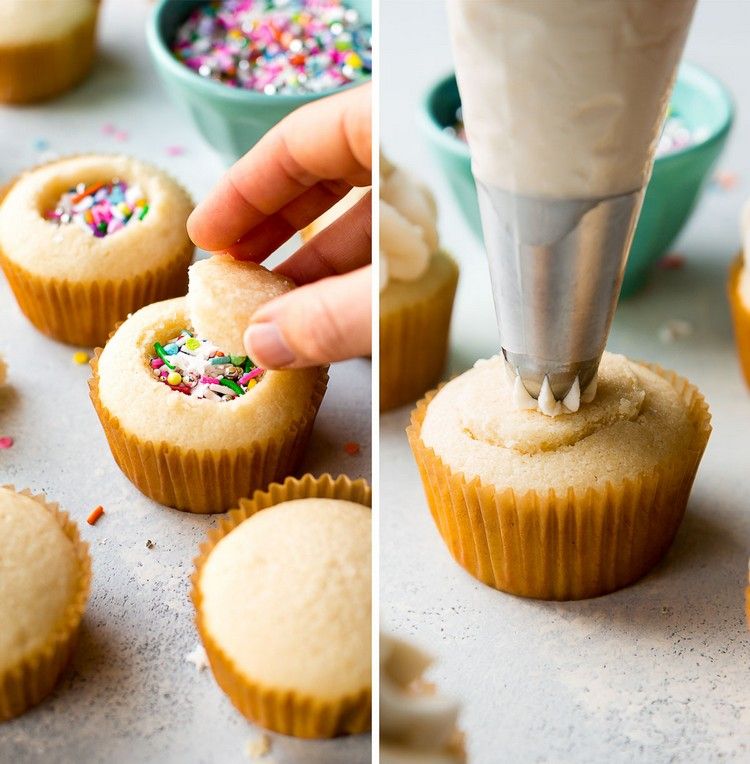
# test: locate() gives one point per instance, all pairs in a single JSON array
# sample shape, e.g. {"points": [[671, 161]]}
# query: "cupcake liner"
{"points": [[413, 346], [27, 683], [740, 317], [563, 546], [47, 68], [84, 313], [207, 480], [283, 711]]}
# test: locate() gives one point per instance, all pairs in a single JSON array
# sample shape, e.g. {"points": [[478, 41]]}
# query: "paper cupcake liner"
{"points": [[413, 346], [563, 546], [207, 480], [47, 68], [283, 711], [740, 317], [30, 681]]}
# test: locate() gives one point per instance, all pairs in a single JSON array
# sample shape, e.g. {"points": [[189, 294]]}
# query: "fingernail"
{"points": [[266, 345]]}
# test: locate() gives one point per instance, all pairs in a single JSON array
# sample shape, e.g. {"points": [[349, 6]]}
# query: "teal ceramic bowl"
{"points": [[675, 186], [230, 119]]}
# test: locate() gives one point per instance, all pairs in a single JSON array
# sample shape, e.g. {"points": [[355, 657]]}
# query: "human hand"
{"points": [[299, 169]]}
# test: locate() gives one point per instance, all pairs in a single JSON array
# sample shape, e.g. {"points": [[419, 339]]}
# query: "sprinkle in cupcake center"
{"points": [[198, 368], [276, 46], [100, 208]]}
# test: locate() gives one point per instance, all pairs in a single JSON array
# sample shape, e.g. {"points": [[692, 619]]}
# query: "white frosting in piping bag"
{"points": [[606, 69], [546, 402]]}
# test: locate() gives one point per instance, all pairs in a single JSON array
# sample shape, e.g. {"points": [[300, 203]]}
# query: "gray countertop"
{"points": [[130, 694], [658, 672]]}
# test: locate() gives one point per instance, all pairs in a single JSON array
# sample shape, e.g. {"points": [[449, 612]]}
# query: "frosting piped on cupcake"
{"points": [[408, 226]]}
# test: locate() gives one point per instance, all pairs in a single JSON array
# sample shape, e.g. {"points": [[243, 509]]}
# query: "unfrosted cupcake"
{"points": [[417, 722], [46, 47], [88, 239], [282, 591], [45, 573], [191, 421], [562, 507], [417, 286]]}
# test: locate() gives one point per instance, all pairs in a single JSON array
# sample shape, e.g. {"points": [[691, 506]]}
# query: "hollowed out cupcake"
{"points": [[45, 574], [562, 507], [190, 419], [88, 239], [46, 47], [283, 597], [417, 286]]}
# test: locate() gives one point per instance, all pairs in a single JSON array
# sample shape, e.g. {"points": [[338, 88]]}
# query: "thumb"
{"points": [[328, 320]]}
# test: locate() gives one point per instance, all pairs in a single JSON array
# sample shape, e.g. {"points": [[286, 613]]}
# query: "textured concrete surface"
{"points": [[657, 672], [130, 695]]}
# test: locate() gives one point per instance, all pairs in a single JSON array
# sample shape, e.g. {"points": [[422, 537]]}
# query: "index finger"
{"points": [[326, 140]]}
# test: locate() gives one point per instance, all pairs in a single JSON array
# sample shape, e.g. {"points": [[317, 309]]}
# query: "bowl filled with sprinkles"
{"points": [[240, 66]]}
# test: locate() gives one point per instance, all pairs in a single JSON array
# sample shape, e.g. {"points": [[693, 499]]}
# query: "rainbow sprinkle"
{"points": [[198, 368], [100, 208], [276, 46]]}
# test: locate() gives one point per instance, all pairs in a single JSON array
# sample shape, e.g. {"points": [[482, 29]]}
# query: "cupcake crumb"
{"points": [[197, 656], [150, 544], [259, 748]]}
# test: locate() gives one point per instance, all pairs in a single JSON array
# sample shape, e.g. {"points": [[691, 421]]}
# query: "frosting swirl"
{"points": [[408, 226], [417, 725]]}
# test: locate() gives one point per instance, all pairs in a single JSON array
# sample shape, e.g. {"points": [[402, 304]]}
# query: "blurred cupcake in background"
{"points": [[739, 296], [46, 47], [417, 286]]}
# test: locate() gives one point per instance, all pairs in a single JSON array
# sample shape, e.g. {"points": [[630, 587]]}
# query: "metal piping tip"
{"points": [[556, 268]]}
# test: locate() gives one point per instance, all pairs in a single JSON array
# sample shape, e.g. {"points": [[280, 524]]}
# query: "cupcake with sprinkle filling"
{"points": [[86, 240], [191, 420]]}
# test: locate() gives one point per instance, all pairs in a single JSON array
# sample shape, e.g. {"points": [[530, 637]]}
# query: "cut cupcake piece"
{"points": [[224, 294], [46, 47], [282, 591], [417, 722], [46, 573], [88, 239], [192, 426], [562, 508]]}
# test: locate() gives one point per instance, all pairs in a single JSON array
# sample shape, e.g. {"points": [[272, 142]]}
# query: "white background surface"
{"points": [[657, 672], [130, 696]]}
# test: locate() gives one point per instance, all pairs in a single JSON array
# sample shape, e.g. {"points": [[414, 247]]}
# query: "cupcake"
{"points": [[46, 573], [88, 239], [562, 507], [46, 47], [417, 285], [191, 422], [739, 301], [282, 592], [417, 723]]}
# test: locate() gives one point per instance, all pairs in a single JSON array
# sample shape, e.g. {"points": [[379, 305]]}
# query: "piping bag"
{"points": [[563, 103]]}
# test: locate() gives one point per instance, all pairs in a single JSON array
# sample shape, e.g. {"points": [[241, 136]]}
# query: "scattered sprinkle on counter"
{"points": [[6, 442], [672, 261], [726, 180], [81, 357], [93, 518], [276, 46]]}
